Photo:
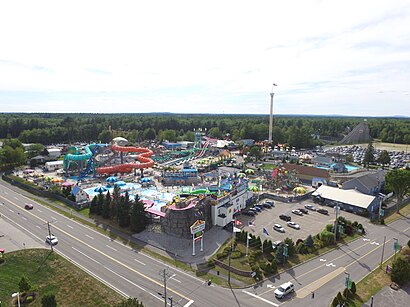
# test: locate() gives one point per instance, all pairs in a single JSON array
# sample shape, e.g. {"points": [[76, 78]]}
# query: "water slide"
{"points": [[143, 158], [74, 155], [203, 149]]}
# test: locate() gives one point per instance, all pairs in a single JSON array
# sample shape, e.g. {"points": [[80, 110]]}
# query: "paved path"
{"points": [[392, 298]]}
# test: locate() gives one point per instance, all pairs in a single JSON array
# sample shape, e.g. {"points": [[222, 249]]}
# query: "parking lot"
{"points": [[311, 223]]}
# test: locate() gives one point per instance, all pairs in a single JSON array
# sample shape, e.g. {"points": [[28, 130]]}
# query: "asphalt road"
{"points": [[138, 275]]}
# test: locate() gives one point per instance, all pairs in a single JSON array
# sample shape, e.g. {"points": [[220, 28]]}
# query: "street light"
{"points": [[347, 283], [18, 297]]}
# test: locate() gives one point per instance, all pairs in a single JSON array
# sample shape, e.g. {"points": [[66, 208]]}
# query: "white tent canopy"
{"points": [[350, 197]]}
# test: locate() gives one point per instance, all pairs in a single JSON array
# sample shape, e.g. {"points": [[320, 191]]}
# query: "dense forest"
{"points": [[53, 128]]}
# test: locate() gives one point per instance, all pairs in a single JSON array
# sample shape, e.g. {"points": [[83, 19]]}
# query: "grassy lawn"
{"points": [[395, 216], [50, 273]]}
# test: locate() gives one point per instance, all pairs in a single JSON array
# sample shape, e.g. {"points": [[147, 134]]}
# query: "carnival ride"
{"points": [[144, 160]]}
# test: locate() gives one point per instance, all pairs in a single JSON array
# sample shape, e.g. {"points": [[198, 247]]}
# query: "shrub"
{"points": [[274, 266], [339, 298], [408, 243], [49, 300], [268, 269], [24, 285], [236, 255], [263, 265], [329, 227], [355, 224], [400, 272], [29, 299], [346, 293], [257, 253], [309, 242], [327, 237], [220, 255], [299, 241], [301, 248], [382, 222], [353, 288]]}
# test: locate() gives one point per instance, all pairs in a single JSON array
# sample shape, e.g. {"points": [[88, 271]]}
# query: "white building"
{"points": [[225, 207], [54, 152], [54, 165]]}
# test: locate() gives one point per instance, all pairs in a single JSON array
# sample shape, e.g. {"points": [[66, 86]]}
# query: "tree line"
{"points": [[120, 209], [53, 128]]}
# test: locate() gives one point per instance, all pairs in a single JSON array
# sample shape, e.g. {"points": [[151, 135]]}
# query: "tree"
{"points": [[309, 241], [100, 202], [400, 272], [130, 302], [280, 258], [353, 288], [24, 285], [256, 152], [384, 158], [49, 300], [138, 219], [291, 246], [124, 211], [106, 206], [105, 136], [115, 202], [93, 205], [398, 181], [369, 154]]}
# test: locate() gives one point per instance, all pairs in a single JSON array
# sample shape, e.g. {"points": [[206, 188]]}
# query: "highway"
{"points": [[136, 274]]}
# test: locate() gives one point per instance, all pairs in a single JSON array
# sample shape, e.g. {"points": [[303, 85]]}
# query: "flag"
{"points": [[237, 223], [264, 231], [236, 229], [251, 224]]}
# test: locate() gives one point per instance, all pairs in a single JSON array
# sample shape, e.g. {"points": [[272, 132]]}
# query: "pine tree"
{"points": [[115, 203], [279, 254], [49, 300], [138, 218], [24, 285], [93, 205], [106, 206], [100, 203], [309, 241], [124, 211], [369, 154]]}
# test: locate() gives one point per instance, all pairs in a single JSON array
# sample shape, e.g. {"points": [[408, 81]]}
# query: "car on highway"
{"points": [[310, 207], [322, 211], [278, 227], [284, 290], [28, 206], [293, 225], [297, 212], [285, 217], [51, 239], [303, 210]]}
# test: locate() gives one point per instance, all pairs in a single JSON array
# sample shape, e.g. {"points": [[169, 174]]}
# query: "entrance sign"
{"points": [[197, 231]]}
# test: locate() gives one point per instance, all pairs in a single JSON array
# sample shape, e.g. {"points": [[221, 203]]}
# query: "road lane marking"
{"points": [[140, 262], [24, 218], [172, 277], [330, 264], [11, 210], [111, 247], [85, 255], [6, 193], [89, 237], [305, 291], [39, 210], [189, 303], [15, 197], [70, 226], [94, 275], [52, 217], [260, 298], [322, 260], [38, 227], [357, 260]]}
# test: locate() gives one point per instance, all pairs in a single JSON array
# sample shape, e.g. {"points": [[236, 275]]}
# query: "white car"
{"points": [[284, 289], [297, 212], [52, 240], [293, 225], [279, 228], [310, 207]]}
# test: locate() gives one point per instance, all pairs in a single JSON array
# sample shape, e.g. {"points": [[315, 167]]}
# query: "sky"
{"points": [[222, 57]]}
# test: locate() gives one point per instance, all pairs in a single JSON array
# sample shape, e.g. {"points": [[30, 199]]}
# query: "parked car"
{"points": [[285, 217], [284, 290], [267, 205], [293, 225], [303, 210], [278, 227], [257, 209], [51, 239], [310, 207], [323, 211], [297, 212], [275, 244], [249, 213], [253, 210], [28, 206]]}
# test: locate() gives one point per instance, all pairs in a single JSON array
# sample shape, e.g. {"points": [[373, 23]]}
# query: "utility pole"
{"points": [[384, 243], [336, 212], [49, 235], [165, 275]]}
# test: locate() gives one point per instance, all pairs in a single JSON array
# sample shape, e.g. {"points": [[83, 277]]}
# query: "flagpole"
{"points": [[262, 238], [247, 244]]}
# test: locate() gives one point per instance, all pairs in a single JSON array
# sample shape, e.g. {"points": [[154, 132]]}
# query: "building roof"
{"points": [[369, 180], [307, 170], [350, 197], [53, 150], [59, 162]]}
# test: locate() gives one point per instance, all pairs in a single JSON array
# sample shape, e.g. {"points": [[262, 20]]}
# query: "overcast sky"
{"points": [[326, 57]]}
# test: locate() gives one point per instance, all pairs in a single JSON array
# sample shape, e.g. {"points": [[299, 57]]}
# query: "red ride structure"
{"points": [[143, 158]]}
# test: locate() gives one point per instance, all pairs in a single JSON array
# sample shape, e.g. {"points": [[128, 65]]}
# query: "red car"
{"points": [[28, 206]]}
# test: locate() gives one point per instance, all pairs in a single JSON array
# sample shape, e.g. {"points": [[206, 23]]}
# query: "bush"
{"points": [[353, 288], [236, 255], [268, 269], [400, 272], [221, 255], [309, 242], [408, 243], [382, 222], [329, 227], [339, 298], [274, 266], [29, 299], [327, 237], [49, 300], [24, 285], [263, 266], [346, 293]]}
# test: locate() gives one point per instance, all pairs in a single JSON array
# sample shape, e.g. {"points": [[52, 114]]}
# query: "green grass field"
{"points": [[50, 273]]}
